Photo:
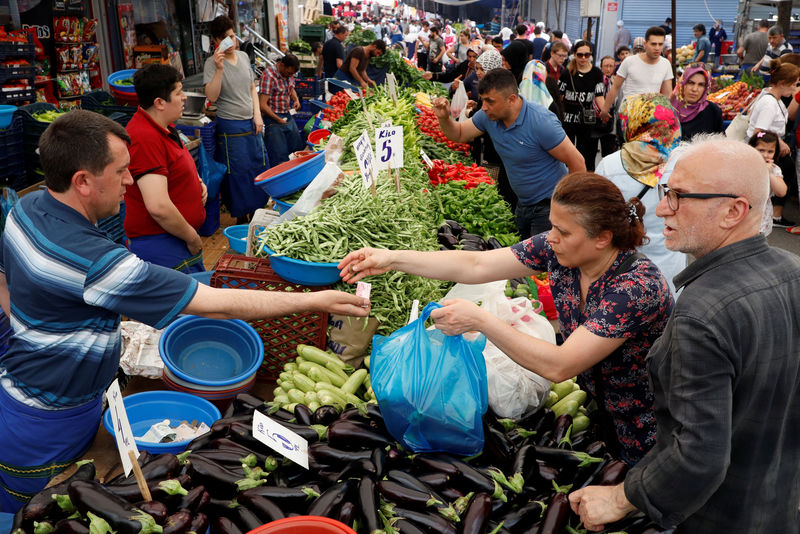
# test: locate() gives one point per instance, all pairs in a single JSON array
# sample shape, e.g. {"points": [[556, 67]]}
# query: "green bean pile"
{"points": [[353, 219]]}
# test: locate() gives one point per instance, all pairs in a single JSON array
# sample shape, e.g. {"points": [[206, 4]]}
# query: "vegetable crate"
{"points": [[206, 133], [312, 32], [27, 50], [280, 335], [12, 95], [103, 102], [16, 72], [308, 87], [12, 162]]}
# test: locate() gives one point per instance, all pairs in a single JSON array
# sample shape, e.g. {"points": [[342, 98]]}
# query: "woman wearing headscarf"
{"points": [[534, 88], [515, 57], [690, 100], [464, 71], [652, 131]]}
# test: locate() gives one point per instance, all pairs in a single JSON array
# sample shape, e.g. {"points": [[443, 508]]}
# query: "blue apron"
{"points": [[243, 153], [168, 251], [36, 445]]}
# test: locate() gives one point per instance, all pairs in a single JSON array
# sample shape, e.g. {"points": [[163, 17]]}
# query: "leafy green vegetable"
{"points": [[360, 36]]}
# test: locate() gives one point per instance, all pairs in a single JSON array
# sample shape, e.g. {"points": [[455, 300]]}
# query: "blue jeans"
{"points": [[532, 220], [282, 139]]}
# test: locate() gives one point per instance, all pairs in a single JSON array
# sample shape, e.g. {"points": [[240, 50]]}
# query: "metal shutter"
{"points": [[574, 23], [641, 14]]}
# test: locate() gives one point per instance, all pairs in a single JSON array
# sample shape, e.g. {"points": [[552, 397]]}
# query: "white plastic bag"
{"points": [[512, 389], [327, 178], [458, 107]]}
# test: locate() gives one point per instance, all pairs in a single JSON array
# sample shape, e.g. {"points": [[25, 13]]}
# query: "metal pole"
{"points": [[674, 37]]}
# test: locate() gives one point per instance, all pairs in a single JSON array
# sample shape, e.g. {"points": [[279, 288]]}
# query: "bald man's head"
{"points": [[713, 164]]}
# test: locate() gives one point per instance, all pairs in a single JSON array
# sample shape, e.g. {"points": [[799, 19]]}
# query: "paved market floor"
{"points": [[104, 450]]}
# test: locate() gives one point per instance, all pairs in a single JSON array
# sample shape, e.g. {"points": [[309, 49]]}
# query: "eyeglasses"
{"points": [[673, 197], [583, 55]]}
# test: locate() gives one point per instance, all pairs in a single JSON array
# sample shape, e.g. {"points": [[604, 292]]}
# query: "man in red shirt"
{"points": [[164, 207]]}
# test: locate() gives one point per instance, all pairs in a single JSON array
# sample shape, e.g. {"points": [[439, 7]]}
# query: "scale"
{"points": [[193, 119]]}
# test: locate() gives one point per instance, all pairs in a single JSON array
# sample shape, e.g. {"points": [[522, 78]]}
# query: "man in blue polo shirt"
{"points": [[64, 285], [529, 139]]}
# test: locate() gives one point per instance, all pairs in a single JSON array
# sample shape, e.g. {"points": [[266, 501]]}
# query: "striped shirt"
{"points": [[774, 53], [69, 284], [278, 89]]}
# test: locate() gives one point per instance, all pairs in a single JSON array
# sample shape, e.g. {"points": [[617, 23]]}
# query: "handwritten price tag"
{"points": [[122, 428], [389, 146], [280, 439], [365, 158]]}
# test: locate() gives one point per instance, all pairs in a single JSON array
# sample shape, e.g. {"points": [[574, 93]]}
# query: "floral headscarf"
{"points": [[533, 87], [652, 130], [490, 59], [687, 112]]}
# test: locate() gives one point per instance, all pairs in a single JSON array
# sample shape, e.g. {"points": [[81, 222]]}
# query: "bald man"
{"points": [[726, 371]]}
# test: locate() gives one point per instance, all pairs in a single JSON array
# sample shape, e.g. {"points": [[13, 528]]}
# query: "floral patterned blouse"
{"points": [[634, 305]]}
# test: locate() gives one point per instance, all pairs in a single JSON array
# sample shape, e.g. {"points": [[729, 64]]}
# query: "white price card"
{"points": [[363, 289], [389, 147], [122, 428], [351, 94], [426, 159], [365, 158], [292, 111], [391, 83], [280, 439]]}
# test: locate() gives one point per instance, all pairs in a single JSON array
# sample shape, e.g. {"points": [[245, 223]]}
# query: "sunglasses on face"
{"points": [[583, 55]]}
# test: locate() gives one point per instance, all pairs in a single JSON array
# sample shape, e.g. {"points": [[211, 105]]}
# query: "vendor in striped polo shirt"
{"points": [[64, 286]]}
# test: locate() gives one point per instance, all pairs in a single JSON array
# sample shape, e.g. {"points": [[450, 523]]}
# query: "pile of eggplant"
{"points": [[452, 236], [358, 474]]}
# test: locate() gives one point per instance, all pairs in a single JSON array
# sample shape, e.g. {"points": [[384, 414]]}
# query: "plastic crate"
{"points": [[18, 50], [17, 95], [101, 101], [308, 87], [312, 32], [280, 335], [17, 72], [206, 135], [30, 125]]}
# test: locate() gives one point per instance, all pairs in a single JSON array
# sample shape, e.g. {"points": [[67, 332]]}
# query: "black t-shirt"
{"points": [[579, 91], [331, 51], [707, 121], [528, 44]]}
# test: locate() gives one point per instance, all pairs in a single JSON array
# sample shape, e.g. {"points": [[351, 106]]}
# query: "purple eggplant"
{"points": [[286, 498], [332, 497], [199, 524], [368, 503], [303, 415], [159, 467], [428, 463], [224, 525], [399, 494], [435, 480], [178, 523], [230, 445], [451, 494], [347, 434], [477, 516], [192, 500], [42, 506], [378, 459], [325, 415], [245, 518], [555, 517], [431, 522], [562, 426], [498, 449], [156, 509], [265, 509], [407, 527], [70, 526], [122, 516], [219, 481], [613, 473], [322, 454], [346, 512], [524, 515]]}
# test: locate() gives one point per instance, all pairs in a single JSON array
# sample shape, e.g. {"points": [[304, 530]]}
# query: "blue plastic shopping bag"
{"points": [[431, 387]]}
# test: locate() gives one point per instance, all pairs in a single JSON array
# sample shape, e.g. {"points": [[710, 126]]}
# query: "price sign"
{"points": [[389, 147], [122, 428], [391, 83], [351, 94], [280, 439], [365, 158], [426, 159]]}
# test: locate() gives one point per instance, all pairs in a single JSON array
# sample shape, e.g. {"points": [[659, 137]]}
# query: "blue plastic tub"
{"points": [[341, 85], [6, 520], [150, 407], [211, 352], [6, 115], [237, 237], [115, 77], [282, 206], [291, 176], [306, 273], [320, 105]]}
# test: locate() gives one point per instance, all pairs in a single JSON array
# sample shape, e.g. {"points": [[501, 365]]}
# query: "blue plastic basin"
{"points": [[115, 77], [282, 206], [211, 352], [150, 407], [307, 273], [237, 237], [291, 176], [6, 116]]}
